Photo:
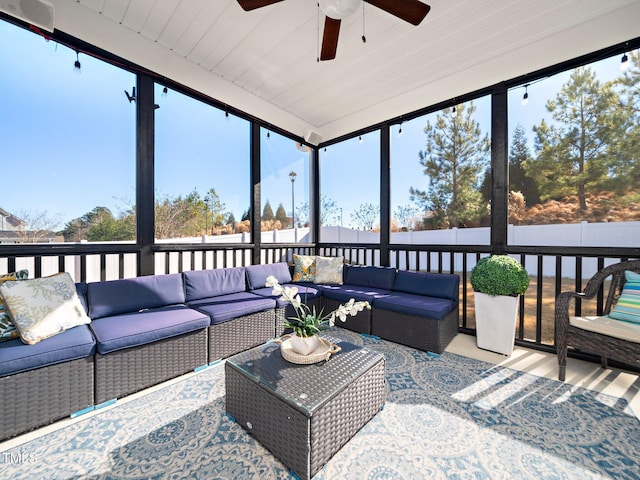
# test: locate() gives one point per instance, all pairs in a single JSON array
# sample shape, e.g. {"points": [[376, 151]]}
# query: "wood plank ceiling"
{"points": [[264, 62]]}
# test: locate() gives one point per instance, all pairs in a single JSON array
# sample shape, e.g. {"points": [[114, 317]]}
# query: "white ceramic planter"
{"points": [[304, 345], [496, 322]]}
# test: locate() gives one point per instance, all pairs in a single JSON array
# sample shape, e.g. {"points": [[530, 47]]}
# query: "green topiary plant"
{"points": [[499, 275]]}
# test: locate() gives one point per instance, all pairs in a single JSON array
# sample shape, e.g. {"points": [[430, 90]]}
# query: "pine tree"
{"points": [[267, 212], [519, 155], [454, 160], [572, 156], [281, 215]]}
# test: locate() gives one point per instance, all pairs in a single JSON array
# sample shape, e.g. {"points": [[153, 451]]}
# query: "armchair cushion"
{"points": [[627, 307], [608, 326]]}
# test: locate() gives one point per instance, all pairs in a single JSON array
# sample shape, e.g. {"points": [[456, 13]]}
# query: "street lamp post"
{"points": [[293, 176], [206, 216]]}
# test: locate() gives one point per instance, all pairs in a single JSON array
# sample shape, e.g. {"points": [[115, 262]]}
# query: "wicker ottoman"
{"points": [[304, 414]]}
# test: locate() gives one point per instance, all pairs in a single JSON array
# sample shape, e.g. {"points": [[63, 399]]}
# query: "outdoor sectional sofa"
{"points": [[150, 329]]}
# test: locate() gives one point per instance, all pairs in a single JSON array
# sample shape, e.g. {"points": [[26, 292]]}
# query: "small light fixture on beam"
{"points": [[400, 130], [76, 65], [454, 112], [624, 62], [132, 97], [360, 139], [525, 97], [165, 90]]}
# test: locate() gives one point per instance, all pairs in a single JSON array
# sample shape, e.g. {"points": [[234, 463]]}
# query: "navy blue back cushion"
{"points": [[212, 283], [441, 285], [132, 294], [257, 274], [367, 276]]}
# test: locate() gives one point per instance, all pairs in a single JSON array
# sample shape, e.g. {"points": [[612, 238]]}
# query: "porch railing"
{"points": [[552, 269]]}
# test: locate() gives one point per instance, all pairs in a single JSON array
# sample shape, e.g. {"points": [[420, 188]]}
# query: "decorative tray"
{"points": [[323, 351]]}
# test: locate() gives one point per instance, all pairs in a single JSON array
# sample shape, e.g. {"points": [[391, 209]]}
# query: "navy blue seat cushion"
{"points": [[305, 292], [257, 274], [368, 276], [201, 284], [140, 328], [233, 305], [72, 344], [343, 293], [442, 285], [416, 305], [132, 294]]}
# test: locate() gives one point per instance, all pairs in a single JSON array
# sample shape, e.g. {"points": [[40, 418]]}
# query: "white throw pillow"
{"points": [[329, 270], [43, 307]]}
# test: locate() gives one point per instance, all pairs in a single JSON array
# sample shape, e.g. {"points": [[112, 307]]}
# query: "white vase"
{"points": [[496, 322], [304, 345]]}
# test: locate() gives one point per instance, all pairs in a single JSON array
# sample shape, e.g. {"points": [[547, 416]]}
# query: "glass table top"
{"points": [[305, 387]]}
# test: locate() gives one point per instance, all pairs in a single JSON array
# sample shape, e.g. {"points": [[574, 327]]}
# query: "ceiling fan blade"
{"points": [[412, 11], [248, 5], [330, 38]]}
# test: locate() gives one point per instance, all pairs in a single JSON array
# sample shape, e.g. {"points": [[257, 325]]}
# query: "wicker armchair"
{"points": [[608, 347]]}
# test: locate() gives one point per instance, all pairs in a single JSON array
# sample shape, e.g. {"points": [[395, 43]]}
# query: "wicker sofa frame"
{"points": [[127, 371], [41, 396], [427, 334], [605, 346]]}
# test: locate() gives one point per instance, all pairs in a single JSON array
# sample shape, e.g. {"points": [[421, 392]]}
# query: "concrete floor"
{"points": [[611, 381]]}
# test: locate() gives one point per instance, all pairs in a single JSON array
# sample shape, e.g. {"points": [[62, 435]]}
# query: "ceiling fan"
{"points": [[412, 11]]}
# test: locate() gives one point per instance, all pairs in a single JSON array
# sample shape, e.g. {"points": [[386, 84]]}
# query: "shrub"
{"points": [[499, 275]]}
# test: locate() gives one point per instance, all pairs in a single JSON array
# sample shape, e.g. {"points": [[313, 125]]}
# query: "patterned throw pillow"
{"points": [[305, 268], [329, 270], [43, 307], [7, 328], [627, 307]]}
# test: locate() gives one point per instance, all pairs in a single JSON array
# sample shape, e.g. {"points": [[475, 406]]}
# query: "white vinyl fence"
{"points": [[584, 234]]}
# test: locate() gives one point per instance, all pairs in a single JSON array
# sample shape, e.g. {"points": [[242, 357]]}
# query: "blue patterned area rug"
{"points": [[446, 416]]}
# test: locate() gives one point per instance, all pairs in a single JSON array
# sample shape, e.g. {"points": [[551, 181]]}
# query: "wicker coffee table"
{"points": [[304, 414]]}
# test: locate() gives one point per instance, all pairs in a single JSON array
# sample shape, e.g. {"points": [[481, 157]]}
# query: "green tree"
{"points": [[625, 171], [215, 208], [106, 227], [281, 215], [519, 180], [245, 216], [455, 157], [572, 151], [267, 212]]}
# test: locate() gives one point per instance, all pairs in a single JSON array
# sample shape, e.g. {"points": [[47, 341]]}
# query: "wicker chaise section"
{"points": [[423, 333], [39, 397], [590, 342], [126, 371], [241, 333]]}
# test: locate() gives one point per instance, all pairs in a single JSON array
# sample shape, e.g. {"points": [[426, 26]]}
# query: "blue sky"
{"points": [[46, 108]]}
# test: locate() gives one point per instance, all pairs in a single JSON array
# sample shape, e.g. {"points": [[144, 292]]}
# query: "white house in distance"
{"points": [[14, 230]]}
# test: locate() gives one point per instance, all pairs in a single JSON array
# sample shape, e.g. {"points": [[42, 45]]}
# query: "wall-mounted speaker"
{"points": [[35, 12], [312, 137]]}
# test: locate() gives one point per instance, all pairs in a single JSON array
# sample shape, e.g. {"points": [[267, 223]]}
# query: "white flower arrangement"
{"points": [[307, 321]]}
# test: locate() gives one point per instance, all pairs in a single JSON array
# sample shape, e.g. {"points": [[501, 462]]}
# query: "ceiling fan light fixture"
{"points": [[339, 9]]}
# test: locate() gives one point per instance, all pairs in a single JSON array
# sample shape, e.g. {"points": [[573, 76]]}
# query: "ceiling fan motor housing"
{"points": [[339, 9]]}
